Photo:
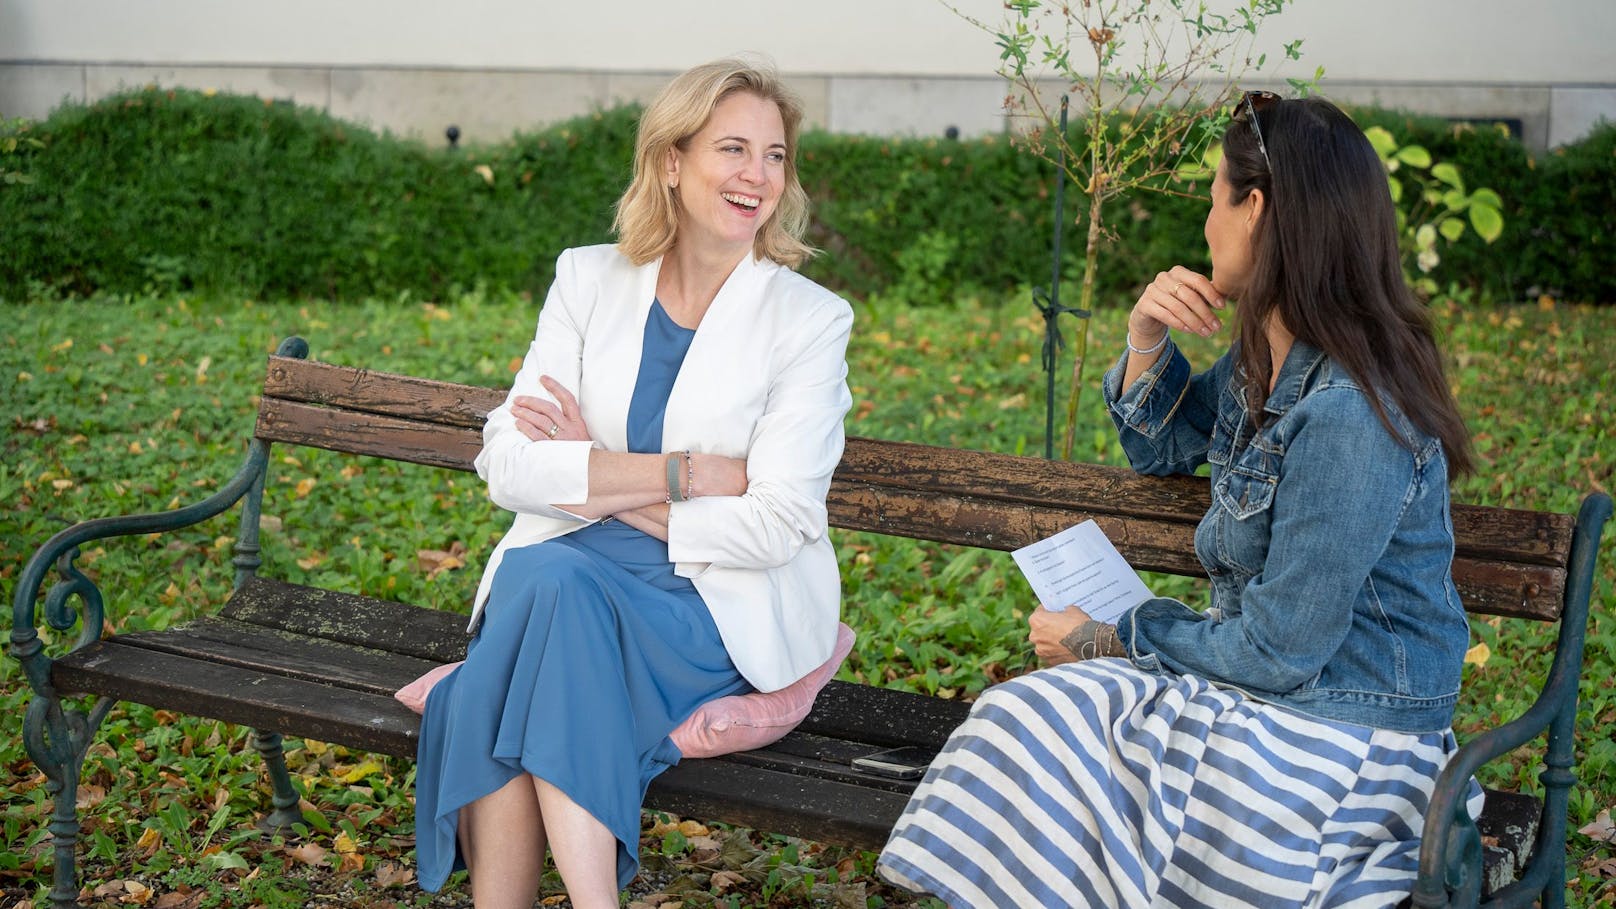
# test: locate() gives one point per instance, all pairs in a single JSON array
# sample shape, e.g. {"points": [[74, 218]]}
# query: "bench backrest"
{"points": [[1508, 562]]}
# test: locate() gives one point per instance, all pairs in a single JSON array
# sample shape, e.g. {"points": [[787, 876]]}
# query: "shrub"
{"points": [[186, 191], [191, 192]]}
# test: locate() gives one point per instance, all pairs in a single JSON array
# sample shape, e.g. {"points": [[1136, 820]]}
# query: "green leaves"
{"points": [[1435, 208]]}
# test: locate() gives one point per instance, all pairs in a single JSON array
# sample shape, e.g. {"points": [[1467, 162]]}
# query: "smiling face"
{"points": [[729, 176], [1228, 234]]}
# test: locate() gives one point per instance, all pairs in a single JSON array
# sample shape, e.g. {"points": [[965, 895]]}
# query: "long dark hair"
{"points": [[1325, 261]]}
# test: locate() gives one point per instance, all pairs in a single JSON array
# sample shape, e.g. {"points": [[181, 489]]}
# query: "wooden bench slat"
{"points": [[883, 716], [371, 722], [254, 647], [414, 398], [1482, 531], [822, 810], [414, 631], [357, 432], [1485, 585]]}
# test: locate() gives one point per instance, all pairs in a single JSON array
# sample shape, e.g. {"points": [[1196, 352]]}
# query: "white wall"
{"points": [[899, 66]]}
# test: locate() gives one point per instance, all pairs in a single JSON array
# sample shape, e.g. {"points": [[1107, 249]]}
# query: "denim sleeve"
{"points": [[1342, 485], [1165, 418]]}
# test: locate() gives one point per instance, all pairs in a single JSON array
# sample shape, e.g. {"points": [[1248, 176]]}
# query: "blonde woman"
{"points": [[666, 447]]}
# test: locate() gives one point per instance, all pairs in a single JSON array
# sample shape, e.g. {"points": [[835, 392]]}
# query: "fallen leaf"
{"points": [[1478, 655], [309, 853], [357, 773], [436, 561], [178, 900], [392, 874], [305, 486], [90, 794], [723, 880], [1601, 828]]}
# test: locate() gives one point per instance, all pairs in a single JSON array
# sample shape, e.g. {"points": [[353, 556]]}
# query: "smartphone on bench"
{"points": [[906, 763]]}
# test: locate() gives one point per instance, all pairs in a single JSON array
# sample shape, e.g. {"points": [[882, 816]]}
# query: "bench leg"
{"points": [[57, 739], [285, 799]]}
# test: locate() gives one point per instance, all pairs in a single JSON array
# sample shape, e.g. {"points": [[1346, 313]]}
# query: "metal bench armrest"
{"points": [[61, 549], [1450, 857]]}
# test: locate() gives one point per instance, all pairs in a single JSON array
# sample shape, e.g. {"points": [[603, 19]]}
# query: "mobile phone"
{"points": [[906, 763]]}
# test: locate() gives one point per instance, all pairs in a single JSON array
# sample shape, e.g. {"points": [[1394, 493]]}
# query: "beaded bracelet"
{"points": [[690, 476], [1148, 350]]}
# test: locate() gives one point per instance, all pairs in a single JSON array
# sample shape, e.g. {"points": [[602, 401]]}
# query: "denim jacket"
{"points": [[1328, 543]]}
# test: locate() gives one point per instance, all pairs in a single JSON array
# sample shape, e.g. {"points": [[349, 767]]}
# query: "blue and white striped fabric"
{"points": [[1098, 784]]}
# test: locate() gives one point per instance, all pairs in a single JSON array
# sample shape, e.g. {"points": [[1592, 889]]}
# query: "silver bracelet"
{"points": [[1128, 338]]}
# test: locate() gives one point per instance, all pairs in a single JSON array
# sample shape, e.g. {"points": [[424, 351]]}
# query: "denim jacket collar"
{"points": [[1302, 362]]}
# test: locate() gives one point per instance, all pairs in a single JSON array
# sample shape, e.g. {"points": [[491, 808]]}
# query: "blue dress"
{"points": [[591, 650]]}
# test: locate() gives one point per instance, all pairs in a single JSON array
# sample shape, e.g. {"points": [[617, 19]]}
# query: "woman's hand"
{"points": [[540, 420], [1178, 298], [1049, 629]]}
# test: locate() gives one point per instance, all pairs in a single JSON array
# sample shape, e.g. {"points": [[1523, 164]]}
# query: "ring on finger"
{"points": [[554, 428], [1175, 287]]}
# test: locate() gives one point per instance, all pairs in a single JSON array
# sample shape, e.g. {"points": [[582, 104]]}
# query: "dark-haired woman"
{"points": [[1279, 747]]}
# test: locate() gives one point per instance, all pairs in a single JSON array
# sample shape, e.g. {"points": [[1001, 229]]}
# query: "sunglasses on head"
{"points": [[1252, 102]]}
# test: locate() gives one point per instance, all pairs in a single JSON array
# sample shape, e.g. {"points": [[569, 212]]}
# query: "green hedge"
{"points": [[186, 191]]}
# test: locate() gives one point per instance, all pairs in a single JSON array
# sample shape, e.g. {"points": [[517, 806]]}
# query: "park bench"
{"points": [[288, 659]]}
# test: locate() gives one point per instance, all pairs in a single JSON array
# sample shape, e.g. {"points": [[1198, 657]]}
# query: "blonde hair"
{"points": [[647, 217]]}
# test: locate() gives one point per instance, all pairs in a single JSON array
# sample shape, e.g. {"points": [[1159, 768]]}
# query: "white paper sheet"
{"points": [[1079, 567]]}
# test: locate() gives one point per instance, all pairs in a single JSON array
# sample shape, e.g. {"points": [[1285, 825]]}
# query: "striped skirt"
{"points": [[1098, 784]]}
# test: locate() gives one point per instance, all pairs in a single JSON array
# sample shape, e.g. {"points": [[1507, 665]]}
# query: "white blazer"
{"points": [[764, 380]]}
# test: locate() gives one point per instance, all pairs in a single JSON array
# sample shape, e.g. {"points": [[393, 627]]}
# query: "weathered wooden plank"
{"points": [[826, 811], [1149, 545], [1517, 535], [425, 634], [348, 388], [883, 716], [1510, 589], [1481, 531], [357, 432], [1034, 481], [253, 647], [1512, 534], [262, 700], [1486, 586]]}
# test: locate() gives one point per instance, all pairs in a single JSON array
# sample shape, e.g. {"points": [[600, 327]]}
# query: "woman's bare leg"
{"points": [[502, 838], [585, 851]]}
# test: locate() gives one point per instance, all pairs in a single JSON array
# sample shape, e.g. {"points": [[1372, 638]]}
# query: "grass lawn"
{"points": [[118, 406]]}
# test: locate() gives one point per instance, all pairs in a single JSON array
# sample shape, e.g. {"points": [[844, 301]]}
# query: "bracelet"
{"points": [[1152, 348], [672, 464], [690, 476]]}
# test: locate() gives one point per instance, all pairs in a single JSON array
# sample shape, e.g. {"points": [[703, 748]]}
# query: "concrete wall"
{"points": [[909, 67]]}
